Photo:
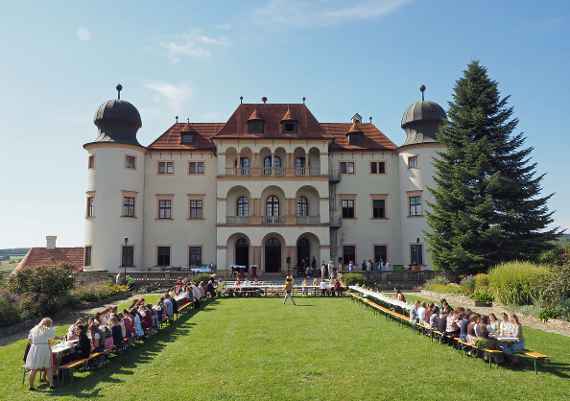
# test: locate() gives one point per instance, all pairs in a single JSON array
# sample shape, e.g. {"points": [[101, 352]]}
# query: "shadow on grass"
{"points": [[127, 362]]}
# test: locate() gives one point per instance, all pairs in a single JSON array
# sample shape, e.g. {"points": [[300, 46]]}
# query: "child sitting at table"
{"points": [[505, 326], [517, 334]]}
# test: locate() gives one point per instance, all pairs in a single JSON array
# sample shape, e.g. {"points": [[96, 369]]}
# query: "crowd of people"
{"points": [[110, 329], [486, 331]]}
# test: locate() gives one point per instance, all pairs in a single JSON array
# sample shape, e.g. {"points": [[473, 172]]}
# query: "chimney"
{"points": [[50, 241]]}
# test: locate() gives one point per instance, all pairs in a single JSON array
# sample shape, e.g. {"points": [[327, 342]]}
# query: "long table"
{"points": [[382, 298]]}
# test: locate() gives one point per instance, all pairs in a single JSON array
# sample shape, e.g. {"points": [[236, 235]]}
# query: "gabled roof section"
{"points": [[373, 138], [272, 114], [203, 134], [38, 256]]}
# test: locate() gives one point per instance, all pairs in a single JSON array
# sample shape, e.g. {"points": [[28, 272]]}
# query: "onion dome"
{"points": [[118, 121], [421, 120]]}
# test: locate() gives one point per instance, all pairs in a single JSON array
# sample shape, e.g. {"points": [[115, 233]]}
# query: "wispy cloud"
{"points": [[195, 44], [174, 95], [310, 12], [83, 34]]}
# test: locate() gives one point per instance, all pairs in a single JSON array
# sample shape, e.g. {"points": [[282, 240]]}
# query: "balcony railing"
{"points": [[237, 220], [300, 171], [273, 220], [304, 220], [278, 171]]}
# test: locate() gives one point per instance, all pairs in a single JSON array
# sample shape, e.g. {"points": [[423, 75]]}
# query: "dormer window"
{"points": [[187, 138], [290, 126], [255, 126]]}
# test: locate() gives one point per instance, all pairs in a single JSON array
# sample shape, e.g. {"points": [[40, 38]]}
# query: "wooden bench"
{"points": [[488, 352], [80, 363], [535, 357], [184, 307]]}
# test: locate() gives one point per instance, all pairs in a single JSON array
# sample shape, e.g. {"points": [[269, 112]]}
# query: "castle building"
{"points": [[272, 186]]}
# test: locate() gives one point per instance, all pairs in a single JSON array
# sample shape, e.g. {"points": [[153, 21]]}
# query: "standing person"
{"points": [[39, 355], [323, 271], [369, 265], [314, 264], [363, 265], [289, 289], [350, 266]]}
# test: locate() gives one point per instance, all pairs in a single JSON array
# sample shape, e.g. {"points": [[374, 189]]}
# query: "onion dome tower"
{"points": [[421, 120], [115, 188]]}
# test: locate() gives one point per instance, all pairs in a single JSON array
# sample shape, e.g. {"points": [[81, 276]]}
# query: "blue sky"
{"points": [[60, 60]]}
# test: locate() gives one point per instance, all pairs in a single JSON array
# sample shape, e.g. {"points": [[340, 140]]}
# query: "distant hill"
{"points": [[565, 238], [13, 252]]}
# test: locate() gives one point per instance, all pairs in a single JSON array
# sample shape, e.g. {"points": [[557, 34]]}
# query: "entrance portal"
{"points": [[242, 252], [303, 253], [272, 255]]}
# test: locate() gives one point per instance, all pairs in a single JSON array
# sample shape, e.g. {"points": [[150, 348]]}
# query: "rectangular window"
{"points": [[377, 168], [91, 162], [165, 208], [87, 256], [416, 254], [163, 256], [165, 167], [347, 208], [380, 253], [195, 255], [378, 208], [128, 256], [128, 206], [131, 162], [196, 168], [196, 208], [90, 206], [346, 167], [413, 162], [186, 138], [348, 254], [415, 205]]}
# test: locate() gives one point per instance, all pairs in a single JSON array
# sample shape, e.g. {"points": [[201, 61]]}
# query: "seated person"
{"points": [[463, 321], [73, 332], [116, 332], [493, 326], [97, 344], [505, 326], [434, 317], [451, 328], [518, 345], [421, 312]]}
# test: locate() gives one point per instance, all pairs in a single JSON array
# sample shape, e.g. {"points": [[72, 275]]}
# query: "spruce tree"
{"points": [[488, 205]]}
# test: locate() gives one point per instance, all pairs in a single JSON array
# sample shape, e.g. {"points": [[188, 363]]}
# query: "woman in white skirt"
{"points": [[39, 355]]}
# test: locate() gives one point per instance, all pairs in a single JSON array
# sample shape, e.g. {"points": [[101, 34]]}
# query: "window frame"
{"points": [[415, 209], [91, 162], [87, 255], [374, 247], [347, 207], [128, 210], [163, 208], [344, 259], [413, 162], [128, 160], [184, 135], [342, 167], [375, 165], [199, 167], [302, 208], [90, 206], [195, 212], [418, 256], [159, 256], [242, 206], [383, 208], [190, 255], [256, 127], [128, 256], [168, 167]]}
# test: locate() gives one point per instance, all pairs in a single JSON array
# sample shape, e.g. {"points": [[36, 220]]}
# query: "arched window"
{"points": [[277, 166], [272, 206], [267, 165], [302, 206], [243, 206]]}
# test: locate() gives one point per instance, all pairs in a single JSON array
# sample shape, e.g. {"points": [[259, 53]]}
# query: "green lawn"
{"points": [[327, 349]]}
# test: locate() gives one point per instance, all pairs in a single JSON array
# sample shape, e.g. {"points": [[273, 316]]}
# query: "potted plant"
{"points": [[482, 298]]}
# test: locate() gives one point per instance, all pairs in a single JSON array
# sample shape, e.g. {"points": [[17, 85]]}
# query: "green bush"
{"points": [[98, 292], [468, 284], [518, 283], [441, 279], [481, 280], [51, 281], [557, 288], [353, 279], [200, 277], [9, 313], [454, 289], [482, 295]]}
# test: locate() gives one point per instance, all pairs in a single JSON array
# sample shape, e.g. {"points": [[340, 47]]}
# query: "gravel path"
{"points": [[561, 327]]}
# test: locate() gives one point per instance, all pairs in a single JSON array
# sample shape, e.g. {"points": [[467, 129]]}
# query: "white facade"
{"points": [[209, 206]]}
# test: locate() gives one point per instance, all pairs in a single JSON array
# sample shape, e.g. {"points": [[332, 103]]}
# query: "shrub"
{"points": [[455, 289], [468, 284], [481, 280], [200, 277], [353, 279], [518, 283], [441, 279], [52, 281], [8, 309], [98, 292], [557, 288], [482, 295]]}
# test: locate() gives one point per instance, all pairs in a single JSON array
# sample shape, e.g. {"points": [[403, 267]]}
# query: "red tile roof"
{"points": [[37, 257], [171, 139], [374, 139], [272, 113]]}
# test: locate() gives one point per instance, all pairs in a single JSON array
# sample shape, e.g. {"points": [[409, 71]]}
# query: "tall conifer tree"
{"points": [[488, 205]]}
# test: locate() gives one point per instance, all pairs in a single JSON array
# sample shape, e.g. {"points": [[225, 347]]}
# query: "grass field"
{"points": [[325, 349]]}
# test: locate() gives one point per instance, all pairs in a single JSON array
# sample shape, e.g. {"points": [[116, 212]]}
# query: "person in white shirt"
{"points": [[350, 266], [196, 295], [421, 312]]}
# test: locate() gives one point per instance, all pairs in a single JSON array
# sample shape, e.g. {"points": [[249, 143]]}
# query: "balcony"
{"points": [[272, 219], [237, 220]]}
